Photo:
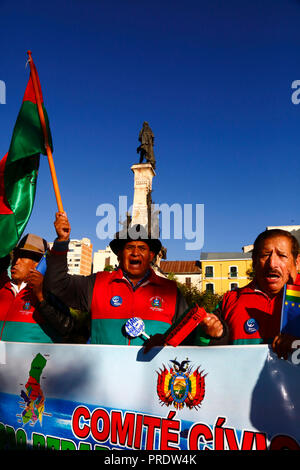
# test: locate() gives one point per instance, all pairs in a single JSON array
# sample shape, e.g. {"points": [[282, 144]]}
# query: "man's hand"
{"points": [[212, 326], [282, 345], [35, 282], [62, 226]]}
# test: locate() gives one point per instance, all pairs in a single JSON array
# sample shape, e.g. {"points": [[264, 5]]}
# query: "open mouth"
{"points": [[272, 276], [135, 262]]}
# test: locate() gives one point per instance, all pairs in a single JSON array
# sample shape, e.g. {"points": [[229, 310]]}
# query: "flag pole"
{"points": [[44, 128]]}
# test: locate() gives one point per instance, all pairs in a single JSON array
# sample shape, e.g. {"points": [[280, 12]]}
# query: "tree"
{"points": [[250, 272], [172, 277], [206, 299], [109, 267]]}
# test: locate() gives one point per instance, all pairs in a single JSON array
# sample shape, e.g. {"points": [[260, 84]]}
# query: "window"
{"points": [[209, 288], [233, 271], [188, 281], [233, 285], [209, 271]]}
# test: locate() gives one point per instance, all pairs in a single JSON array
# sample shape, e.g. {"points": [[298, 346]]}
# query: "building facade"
{"points": [[103, 259], [80, 257], [186, 272], [222, 272]]}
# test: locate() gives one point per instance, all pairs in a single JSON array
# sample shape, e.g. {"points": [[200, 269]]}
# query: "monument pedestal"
{"points": [[143, 175]]}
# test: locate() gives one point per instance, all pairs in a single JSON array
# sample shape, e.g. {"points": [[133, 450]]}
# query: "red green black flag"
{"points": [[19, 169]]}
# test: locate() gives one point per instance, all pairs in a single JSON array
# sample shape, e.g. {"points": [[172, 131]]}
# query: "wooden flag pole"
{"points": [[44, 127]]}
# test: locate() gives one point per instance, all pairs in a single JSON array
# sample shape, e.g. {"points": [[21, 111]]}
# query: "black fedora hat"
{"points": [[135, 232]]}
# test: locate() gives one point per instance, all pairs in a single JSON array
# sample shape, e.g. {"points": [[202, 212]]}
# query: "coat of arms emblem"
{"points": [[181, 385]]}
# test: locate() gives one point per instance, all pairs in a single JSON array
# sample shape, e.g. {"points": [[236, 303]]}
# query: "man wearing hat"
{"points": [[25, 315], [133, 290]]}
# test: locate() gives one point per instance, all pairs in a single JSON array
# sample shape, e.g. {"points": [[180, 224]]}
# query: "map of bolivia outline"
{"points": [[33, 396]]}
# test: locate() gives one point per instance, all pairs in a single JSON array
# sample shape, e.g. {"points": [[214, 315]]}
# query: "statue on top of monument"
{"points": [[146, 137]]}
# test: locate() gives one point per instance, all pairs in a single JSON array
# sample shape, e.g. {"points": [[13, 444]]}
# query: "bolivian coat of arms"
{"points": [[181, 385]]}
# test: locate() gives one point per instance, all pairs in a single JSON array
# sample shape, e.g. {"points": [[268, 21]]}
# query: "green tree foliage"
{"points": [[207, 300], [109, 267], [250, 272]]}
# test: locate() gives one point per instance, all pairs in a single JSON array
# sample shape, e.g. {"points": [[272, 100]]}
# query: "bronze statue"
{"points": [[146, 137]]}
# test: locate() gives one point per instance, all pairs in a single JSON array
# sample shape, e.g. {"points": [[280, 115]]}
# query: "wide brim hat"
{"points": [[134, 233], [31, 246]]}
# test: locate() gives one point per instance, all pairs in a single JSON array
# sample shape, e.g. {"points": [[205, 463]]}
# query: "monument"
{"points": [[143, 175], [142, 199], [143, 211], [146, 138]]}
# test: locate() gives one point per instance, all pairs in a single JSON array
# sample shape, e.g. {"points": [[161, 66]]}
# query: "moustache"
{"points": [[272, 273]]}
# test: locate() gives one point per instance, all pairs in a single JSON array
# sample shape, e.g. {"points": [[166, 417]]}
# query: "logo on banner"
{"points": [[181, 385], [33, 397]]}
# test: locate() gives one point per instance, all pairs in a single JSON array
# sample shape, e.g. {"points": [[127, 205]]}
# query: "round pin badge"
{"points": [[135, 327], [116, 301], [251, 326]]}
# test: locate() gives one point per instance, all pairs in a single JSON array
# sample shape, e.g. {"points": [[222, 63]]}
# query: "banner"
{"points": [[90, 397]]}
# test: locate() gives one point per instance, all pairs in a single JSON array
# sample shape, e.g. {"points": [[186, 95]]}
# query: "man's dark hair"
{"points": [[276, 232]]}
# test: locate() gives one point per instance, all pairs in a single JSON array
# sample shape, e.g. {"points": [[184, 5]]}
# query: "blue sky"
{"points": [[212, 78]]}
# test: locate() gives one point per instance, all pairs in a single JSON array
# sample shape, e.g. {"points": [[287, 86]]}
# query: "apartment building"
{"points": [[225, 271], [80, 256]]}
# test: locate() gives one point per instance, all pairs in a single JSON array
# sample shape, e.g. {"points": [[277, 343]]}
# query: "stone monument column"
{"points": [[142, 211], [143, 175]]}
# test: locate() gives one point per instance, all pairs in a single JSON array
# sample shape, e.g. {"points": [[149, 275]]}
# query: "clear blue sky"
{"points": [[213, 78]]}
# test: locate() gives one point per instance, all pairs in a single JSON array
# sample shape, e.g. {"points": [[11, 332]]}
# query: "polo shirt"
{"points": [[115, 300], [19, 318], [252, 316]]}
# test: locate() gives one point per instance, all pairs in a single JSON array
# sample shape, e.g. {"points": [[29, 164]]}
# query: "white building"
{"points": [[80, 256], [104, 258], [186, 272]]}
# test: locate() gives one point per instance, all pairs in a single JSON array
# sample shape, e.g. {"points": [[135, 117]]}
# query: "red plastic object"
{"points": [[186, 325]]}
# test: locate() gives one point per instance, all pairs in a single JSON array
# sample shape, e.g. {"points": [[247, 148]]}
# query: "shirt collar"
{"points": [[254, 288], [17, 288], [140, 282], [150, 276]]}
